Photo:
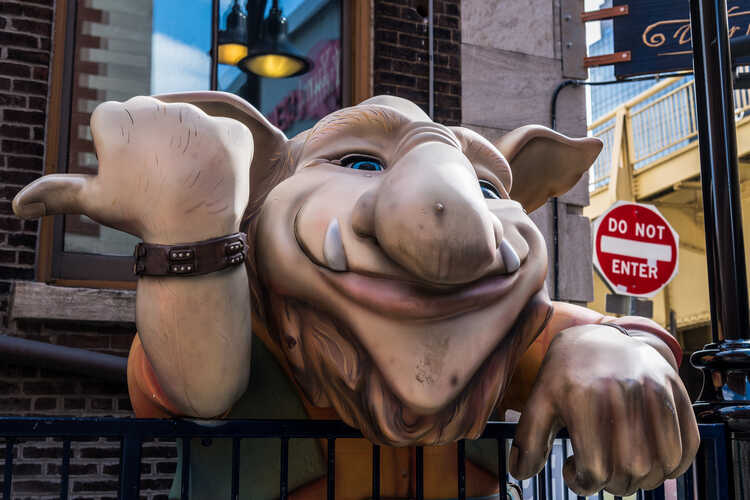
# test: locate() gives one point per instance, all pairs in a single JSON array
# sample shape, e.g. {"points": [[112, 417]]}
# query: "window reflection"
{"points": [[141, 47], [295, 104]]}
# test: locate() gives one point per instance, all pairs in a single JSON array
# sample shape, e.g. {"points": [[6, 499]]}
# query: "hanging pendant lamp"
{"points": [[273, 56], [232, 43]]}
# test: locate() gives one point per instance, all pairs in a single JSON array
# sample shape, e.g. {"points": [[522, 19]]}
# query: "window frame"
{"points": [[54, 265]]}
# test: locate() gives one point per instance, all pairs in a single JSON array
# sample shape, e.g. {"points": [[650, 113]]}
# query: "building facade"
{"points": [[67, 281]]}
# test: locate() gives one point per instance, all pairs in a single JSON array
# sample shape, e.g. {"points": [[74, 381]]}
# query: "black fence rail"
{"points": [[707, 479]]}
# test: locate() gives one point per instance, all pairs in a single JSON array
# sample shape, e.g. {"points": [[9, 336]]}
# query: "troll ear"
{"points": [[268, 140], [545, 163]]}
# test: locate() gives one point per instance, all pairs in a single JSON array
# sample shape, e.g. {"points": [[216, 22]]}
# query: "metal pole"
{"points": [[214, 45], [725, 363]]}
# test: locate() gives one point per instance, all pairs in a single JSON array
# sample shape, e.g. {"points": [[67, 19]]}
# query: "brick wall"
{"points": [[25, 31], [401, 54]]}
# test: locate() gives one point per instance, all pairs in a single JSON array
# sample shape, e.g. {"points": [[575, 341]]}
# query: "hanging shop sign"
{"points": [[653, 36], [635, 249]]}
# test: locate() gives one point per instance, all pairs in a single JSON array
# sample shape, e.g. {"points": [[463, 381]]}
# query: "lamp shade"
{"points": [[232, 42], [273, 56]]}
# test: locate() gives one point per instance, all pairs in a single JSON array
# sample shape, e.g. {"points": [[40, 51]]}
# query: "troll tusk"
{"points": [[510, 257], [333, 247]]}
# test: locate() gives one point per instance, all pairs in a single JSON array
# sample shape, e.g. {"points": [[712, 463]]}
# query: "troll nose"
{"points": [[429, 216]]}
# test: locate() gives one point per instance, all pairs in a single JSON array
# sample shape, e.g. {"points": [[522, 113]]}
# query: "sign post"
{"points": [[635, 249]]}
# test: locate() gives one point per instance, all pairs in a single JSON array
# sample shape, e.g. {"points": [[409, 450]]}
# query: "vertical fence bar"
{"points": [[130, 464], [639, 495], [375, 472], [420, 473], [65, 470], [540, 483], [284, 473], [331, 476], [686, 485], [461, 457], [185, 471], [550, 491], [8, 472], [235, 468], [502, 469], [600, 496]]}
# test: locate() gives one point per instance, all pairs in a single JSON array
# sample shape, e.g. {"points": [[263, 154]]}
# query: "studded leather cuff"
{"points": [[190, 259]]}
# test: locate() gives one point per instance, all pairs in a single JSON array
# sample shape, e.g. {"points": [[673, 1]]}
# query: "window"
{"points": [[113, 50]]}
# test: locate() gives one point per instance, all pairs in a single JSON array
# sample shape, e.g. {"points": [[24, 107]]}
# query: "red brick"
{"points": [[30, 87], [8, 38], [29, 56], [15, 131], [29, 26], [10, 224], [45, 404], [25, 163], [30, 117], [13, 69]]}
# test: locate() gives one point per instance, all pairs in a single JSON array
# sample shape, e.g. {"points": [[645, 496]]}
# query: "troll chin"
{"points": [[336, 371]]}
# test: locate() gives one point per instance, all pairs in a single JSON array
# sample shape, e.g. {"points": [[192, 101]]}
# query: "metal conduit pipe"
{"points": [[27, 352], [431, 55]]}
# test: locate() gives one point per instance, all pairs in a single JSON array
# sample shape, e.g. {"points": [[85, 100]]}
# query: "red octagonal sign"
{"points": [[635, 249]]}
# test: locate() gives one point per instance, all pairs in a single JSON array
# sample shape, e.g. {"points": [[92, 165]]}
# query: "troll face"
{"points": [[394, 256]]}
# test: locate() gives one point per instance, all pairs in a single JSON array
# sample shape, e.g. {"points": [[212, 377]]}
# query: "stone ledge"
{"points": [[32, 300]]}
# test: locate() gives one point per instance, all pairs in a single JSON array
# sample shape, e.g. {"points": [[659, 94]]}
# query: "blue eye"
{"points": [[366, 165], [362, 162], [489, 190]]}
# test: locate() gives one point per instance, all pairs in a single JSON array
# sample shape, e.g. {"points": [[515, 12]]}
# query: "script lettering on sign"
{"points": [[657, 34]]}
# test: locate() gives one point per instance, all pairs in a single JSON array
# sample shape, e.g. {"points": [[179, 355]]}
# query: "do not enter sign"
{"points": [[635, 249]]}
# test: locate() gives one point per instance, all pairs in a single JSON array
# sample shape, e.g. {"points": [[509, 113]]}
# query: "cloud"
{"points": [[177, 66]]}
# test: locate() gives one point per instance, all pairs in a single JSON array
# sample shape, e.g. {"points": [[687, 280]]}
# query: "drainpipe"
{"points": [[431, 55], [19, 351]]}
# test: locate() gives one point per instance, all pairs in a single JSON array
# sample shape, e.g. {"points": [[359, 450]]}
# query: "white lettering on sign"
{"points": [[640, 249], [637, 269], [621, 226], [649, 230]]}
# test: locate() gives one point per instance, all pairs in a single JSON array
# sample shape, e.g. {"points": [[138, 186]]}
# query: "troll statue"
{"points": [[396, 282]]}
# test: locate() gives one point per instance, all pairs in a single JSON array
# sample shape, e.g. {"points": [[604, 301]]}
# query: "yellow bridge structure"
{"points": [[651, 155]]}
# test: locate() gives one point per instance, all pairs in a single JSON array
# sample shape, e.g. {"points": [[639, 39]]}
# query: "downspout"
{"points": [[555, 210], [20, 351], [431, 56]]}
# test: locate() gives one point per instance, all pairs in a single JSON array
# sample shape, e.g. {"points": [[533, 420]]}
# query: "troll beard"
{"points": [[333, 369]]}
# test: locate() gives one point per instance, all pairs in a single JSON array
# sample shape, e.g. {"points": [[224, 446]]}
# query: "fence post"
{"points": [[725, 363], [130, 464]]}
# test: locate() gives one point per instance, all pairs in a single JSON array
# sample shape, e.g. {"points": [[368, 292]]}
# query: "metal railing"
{"points": [[705, 480], [658, 122]]}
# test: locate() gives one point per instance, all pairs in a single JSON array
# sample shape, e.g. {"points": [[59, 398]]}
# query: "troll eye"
{"points": [[489, 190], [362, 162]]}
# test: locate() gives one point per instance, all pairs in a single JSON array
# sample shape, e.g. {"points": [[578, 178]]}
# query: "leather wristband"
{"points": [[190, 259]]}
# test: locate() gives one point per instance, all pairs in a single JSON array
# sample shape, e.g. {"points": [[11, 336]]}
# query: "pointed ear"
{"points": [[268, 140], [545, 163]]}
